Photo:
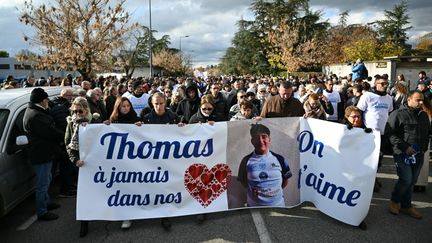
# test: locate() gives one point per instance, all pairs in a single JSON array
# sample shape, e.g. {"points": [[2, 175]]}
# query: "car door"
{"points": [[17, 177]]}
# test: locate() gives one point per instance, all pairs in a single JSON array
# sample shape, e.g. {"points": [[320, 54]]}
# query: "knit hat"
{"points": [[38, 95], [136, 84]]}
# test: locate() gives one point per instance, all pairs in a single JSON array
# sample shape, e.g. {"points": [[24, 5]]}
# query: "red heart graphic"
{"points": [[195, 171], [205, 195], [206, 185], [221, 175], [191, 186], [216, 187], [206, 178]]}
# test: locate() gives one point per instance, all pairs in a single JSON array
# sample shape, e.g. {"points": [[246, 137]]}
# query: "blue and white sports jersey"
{"points": [[265, 175]]}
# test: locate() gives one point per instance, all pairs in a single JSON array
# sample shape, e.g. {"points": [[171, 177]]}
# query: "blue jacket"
{"points": [[358, 71]]}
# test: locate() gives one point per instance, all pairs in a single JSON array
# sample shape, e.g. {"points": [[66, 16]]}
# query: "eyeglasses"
{"points": [[241, 97], [355, 116], [77, 111], [167, 92], [383, 83], [207, 109], [262, 91]]}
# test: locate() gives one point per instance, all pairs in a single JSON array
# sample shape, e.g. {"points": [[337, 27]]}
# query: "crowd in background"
{"points": [[355, 100]]}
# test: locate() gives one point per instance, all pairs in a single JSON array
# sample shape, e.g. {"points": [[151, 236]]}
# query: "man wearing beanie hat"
{"points": [[263, 172], [137, 97], [44, 139]]}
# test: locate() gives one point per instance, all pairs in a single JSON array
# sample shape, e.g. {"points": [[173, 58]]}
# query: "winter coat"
{"points": [[129, 118], [71, 136], [275, 106], [358, 71], [59, 110], [188, 106], [199, 117], [317, 113], [98, 107], [221, 107], [168, 117], [43, 135], [407, 126]]}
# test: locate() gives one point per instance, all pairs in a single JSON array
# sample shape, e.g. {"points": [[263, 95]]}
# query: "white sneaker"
{"points": [[126, 224]]}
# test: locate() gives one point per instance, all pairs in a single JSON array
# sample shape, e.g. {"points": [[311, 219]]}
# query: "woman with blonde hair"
{"points": [[176, 97], [81, 115], [206, 112]]}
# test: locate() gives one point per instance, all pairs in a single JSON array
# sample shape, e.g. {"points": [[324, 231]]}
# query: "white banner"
{"points": [[152, 171], [338, 168]]}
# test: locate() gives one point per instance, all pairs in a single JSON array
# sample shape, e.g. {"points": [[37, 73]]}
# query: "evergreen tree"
{"points": [[395, 25]]}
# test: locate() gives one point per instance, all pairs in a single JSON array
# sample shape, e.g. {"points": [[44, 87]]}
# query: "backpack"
{"points": [[365, 73]]}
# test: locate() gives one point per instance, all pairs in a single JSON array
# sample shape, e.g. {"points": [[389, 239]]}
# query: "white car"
{"points": [[17, 177]]}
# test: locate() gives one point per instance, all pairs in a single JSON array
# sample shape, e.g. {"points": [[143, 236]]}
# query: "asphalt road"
{"points": [[301, 224]]}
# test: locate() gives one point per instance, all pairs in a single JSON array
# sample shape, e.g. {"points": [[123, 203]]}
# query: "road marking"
{"points": [[417, 204], [27, 223], [275, 214], [260, 226], [395, 177], [310, 208]]}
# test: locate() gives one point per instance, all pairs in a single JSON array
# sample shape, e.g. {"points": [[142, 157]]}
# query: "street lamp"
{"points": [[185, 36], [150, 43]]}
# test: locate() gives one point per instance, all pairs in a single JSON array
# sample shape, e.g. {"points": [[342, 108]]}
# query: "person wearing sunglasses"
{"points": [[81, 115], [376, 107], [353, 118], [206, 111]]}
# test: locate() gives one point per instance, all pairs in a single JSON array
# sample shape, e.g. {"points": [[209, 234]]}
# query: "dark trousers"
{"points": [[408, 174]]}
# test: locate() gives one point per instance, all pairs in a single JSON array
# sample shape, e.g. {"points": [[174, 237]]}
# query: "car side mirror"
{"points": [[22, 140]]}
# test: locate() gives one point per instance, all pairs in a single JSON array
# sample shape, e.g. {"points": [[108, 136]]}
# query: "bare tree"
{"points": [[77, 34]]}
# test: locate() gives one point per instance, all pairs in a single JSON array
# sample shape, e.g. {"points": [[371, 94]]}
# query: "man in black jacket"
{"points": [[44, 138], [408, 130], [59, 110]]}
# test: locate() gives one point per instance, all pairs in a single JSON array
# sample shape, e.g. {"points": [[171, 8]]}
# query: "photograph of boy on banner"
{"points": [[263, 172], [264, 159]]}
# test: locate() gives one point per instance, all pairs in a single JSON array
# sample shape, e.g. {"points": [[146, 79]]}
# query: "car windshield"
{"points": [[3, 119]]}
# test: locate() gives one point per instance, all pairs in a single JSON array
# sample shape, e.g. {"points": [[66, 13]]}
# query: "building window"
{"points": [[4, 66]]}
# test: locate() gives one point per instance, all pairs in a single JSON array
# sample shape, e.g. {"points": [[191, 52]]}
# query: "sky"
{"points": [[211, 24]]}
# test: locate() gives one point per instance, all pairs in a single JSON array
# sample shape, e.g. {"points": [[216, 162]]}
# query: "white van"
{"points": [[17, 178]]}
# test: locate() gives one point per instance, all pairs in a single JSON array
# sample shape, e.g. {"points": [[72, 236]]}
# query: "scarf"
{"points": [[76, 122], [313, 112]]}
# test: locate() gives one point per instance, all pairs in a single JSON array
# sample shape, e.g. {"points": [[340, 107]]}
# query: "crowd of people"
{"points": [[401, 116]]}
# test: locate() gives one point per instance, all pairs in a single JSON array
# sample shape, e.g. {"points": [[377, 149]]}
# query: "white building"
{"points": [[10, 66], [393, 66]]}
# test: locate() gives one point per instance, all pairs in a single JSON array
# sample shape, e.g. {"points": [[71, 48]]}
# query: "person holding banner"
{"points": [[263, 172], [206, 112], [408, 129], [123, 112], [81, 115], [353, 118], [158, 115]]}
